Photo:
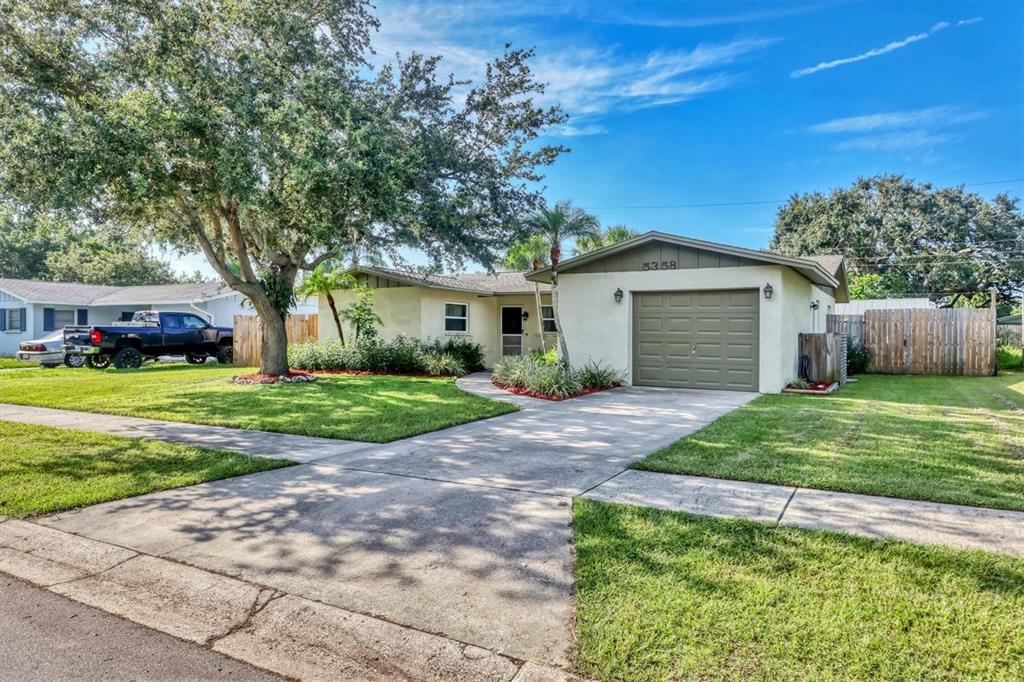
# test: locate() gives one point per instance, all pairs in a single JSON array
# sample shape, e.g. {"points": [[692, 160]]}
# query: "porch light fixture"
{"points": [[618, 295], [768, 291], [526, 316], [815, 305]]}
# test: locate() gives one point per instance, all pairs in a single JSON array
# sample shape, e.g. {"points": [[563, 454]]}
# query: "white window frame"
{"points": [[544, 319], [456, 317]]}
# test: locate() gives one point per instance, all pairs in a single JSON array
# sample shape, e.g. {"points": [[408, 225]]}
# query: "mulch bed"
{"points": [[295, 376], [814, 387], [554, 398]]}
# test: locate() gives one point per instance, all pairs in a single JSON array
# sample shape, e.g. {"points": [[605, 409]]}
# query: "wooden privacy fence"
{"points": [[851, 326], [930, 341], [1009, 335], [248, 337]]}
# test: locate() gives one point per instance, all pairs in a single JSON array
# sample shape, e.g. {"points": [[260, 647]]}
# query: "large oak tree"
{"points": [[256, 132], [945, 243]]}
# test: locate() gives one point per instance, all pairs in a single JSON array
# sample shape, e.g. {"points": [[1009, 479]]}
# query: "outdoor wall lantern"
{"points": [[768, 291], [815, 305], [526, 316], [618, 295]]}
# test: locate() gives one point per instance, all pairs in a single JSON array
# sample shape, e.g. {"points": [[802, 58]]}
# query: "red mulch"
{"points": [[813, 386], [533, 394]]}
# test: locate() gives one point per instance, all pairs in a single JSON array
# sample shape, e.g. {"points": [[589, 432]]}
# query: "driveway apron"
{"points": [[463, 533]]}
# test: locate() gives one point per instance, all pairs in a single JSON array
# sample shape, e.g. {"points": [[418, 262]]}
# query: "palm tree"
{"points": [[613, 235], [555, 226], [323, 281], [531, 254]]}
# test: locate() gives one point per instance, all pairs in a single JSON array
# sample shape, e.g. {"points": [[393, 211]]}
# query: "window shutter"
{"points": [[83, 316], [48, 320], [23, 315], [3, 319]]}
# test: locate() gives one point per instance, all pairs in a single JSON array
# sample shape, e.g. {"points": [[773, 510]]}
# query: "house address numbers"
{"points": [[659, 265]]}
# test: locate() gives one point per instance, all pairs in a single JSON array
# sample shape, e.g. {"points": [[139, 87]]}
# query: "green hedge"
{"points": [[401, 355]]}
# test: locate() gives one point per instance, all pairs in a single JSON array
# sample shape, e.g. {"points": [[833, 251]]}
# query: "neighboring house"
{"points": [[665, 310], [29, 309], [858, 307], [684, 313], [498, 311]]}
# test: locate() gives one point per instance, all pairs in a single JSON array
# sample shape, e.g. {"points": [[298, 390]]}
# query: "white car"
{"points": [[47, 353]]}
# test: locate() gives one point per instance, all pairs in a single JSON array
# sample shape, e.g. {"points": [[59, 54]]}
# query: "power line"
{"points": [[766, 201]]}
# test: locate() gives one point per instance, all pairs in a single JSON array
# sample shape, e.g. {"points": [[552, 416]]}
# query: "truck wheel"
{"points": [[226, 355], [74, 360], [128, 358], [194, 359], [98, 361]]}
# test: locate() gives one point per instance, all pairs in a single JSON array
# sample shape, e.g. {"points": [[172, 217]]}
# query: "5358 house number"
{"points": [[660, 265]]}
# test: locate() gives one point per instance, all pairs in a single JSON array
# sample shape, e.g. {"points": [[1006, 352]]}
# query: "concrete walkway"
{"points": [[874, 517]]}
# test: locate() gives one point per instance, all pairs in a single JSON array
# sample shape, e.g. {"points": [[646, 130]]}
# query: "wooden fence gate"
{"points": [[248, 337], [851, 326], [931, 341]]}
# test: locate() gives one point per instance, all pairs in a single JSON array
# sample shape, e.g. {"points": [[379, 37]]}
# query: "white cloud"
{"points": [[928, 117], [885, 49], [889, 131], [589, 82], [897, 141]]}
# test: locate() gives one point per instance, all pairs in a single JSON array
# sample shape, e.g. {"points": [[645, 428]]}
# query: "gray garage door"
{"points": [[696, 339]]}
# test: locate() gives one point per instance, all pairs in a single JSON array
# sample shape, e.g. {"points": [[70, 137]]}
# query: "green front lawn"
{"points": [[13, 363], [366, 408], [43, 469], [947, 439], [668, 596]]}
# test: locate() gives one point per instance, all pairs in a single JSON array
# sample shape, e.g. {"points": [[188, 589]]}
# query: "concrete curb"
{"points": [[286, 634]]}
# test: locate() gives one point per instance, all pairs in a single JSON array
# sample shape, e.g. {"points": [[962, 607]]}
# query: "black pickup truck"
{"points": [[149, 335]]}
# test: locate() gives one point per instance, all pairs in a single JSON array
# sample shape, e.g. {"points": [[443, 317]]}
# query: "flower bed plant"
{"points": [[536, 376], [401, 355]]}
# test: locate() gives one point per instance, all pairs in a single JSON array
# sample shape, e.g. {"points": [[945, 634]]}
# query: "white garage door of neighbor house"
{"points": [[696, 339]]}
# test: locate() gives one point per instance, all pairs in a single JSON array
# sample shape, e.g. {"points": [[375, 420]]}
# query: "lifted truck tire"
{"points": [[193, 359], [226, 355], [97, 361], [127, 358]]}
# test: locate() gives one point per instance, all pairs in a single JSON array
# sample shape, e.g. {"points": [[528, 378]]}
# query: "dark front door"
{"points": [[511, 330]]}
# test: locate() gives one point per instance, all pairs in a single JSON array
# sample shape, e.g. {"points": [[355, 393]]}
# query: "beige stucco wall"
{"points": [[796, 295], [419, 313], [399, 309], [599, 329]]}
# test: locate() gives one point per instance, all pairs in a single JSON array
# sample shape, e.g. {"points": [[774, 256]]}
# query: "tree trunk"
{"points": [[563, 350], [274, 354], [540, 316], [337, 320]]}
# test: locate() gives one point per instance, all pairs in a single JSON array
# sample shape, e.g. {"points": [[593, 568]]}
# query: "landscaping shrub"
{"points": [[595, 376], [470, 354], [535, 373], [549, 356], [444, 364], [401, 355], [1010, 357], [857, 357]]}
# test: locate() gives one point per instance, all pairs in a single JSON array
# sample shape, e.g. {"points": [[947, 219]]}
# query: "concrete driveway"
{"points": [[463, 533]]}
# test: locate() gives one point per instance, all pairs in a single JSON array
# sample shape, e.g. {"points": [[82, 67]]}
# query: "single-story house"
{"points": [[859, 306], [664, 310], [496, 310], [29, 309]]}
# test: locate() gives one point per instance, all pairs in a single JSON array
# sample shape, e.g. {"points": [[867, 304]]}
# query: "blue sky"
{"points": [[722, 102]]}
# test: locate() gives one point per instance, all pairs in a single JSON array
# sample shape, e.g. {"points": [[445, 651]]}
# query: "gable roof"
{"points": [[77, 293], [826, 271], [480, 283]]}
